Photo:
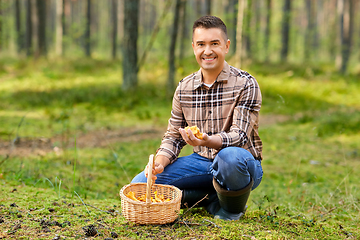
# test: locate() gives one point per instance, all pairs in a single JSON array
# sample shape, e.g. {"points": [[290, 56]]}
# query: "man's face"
{"points": [[210, 48]]}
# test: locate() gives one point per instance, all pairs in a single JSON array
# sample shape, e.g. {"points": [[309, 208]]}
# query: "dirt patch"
{"points": [[267, 120], [100, 138]]}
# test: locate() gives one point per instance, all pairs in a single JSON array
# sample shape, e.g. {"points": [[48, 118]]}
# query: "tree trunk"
{"points": [[257, 30], [340, 38], [34, 28], [19, 35], [65, 19], [208, 7], [198, 9], [239, 26], [59, 27], [247, 32], [173, 36], [184, 30], [347, 33], [267, 29], [317, 8], [41, 13], [1, 29], [120, 20], [231, 18], [131, 25], [87, 30], [308, 30], [28, 32], [285, 31], [114, 27]]}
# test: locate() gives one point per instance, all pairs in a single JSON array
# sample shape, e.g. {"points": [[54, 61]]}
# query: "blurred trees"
{"points": [[285, 30], [303, 31], [59, 27], [88, 29], [239, 25], [173, 37], [41, 14], [18, 22], [130, 67], [28, 31], [114, 23], [347, 33]]}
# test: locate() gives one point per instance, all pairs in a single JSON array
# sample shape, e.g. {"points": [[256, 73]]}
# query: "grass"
{"points": [[311, 158]]}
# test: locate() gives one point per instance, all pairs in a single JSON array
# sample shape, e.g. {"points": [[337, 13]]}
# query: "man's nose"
{"points": [[208, 50]]}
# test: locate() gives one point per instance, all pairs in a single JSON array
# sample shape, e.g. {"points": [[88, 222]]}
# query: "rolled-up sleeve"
{"points": [[172, 142], [245, 116]]}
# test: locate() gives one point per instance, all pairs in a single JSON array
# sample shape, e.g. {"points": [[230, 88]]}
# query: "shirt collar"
{"points": [[223, 76]]}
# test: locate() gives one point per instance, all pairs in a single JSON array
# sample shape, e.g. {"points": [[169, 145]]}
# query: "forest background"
{"points": [[85, 95]]}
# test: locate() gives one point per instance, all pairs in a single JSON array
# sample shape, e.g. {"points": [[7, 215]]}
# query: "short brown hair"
{"points": [[210, 22]]}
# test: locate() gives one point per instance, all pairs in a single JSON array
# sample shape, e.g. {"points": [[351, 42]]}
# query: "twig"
{"points": [[154, 33], [5, 158], [212, 223], [20, 123], [74, 169], [83, 203], [99, 209], [182, 215], [191, 223], [116, 156], [331, 210], [188, 226]]}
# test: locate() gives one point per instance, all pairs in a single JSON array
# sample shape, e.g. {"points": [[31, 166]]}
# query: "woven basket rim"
{"points": [[176, 199]]}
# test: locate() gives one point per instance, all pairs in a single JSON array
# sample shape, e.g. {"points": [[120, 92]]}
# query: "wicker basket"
{"points": [[148, 212]]}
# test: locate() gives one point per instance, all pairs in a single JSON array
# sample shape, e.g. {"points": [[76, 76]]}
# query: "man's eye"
{"points": [[215, 43], [200, 44]]}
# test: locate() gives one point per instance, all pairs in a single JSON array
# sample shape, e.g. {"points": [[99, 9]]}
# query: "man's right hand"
{"points": [[160, 163]]}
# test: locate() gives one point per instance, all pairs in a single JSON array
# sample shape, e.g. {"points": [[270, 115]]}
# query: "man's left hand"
{"points": [[208, 141], [190, 138]]}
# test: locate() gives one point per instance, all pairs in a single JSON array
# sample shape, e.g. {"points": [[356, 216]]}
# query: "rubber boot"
{"points": [[193, 196], [233, 203]]}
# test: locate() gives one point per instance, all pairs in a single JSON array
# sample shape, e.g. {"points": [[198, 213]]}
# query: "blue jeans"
{"points": [[232, 168]]}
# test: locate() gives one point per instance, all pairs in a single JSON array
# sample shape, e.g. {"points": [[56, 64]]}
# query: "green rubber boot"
{"points": [[190, 197], [233, 203]]}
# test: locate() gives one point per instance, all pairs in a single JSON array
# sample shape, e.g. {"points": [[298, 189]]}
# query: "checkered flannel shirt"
{"points": [[229, 108]]}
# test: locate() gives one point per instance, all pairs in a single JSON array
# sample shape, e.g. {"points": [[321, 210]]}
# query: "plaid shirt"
{"points": [[229, 108]]}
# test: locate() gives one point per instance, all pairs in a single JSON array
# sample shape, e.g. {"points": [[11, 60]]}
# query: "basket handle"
{"points": [[149, 178]]}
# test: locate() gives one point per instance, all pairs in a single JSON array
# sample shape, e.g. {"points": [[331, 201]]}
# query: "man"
{"points": [[224, 102]]}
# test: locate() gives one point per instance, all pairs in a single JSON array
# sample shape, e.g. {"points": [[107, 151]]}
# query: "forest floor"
{"points": [[26, 146]]}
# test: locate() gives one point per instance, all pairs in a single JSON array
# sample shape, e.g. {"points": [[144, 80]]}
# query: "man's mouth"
{"points": [[209, 59]]}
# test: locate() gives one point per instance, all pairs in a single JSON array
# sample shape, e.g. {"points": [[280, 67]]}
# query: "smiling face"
{"points": [[210, 48]]}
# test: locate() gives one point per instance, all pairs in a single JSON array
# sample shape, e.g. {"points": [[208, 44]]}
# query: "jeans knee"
{"points": [[233, 167], [235, 157], [140, 178]]}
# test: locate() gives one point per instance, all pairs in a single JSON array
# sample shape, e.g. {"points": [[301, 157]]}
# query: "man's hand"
{"points": [[190, 138], [160, 163], [208, 141]]}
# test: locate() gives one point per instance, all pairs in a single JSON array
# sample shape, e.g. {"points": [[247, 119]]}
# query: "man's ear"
{"points": [[227, 45]]}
